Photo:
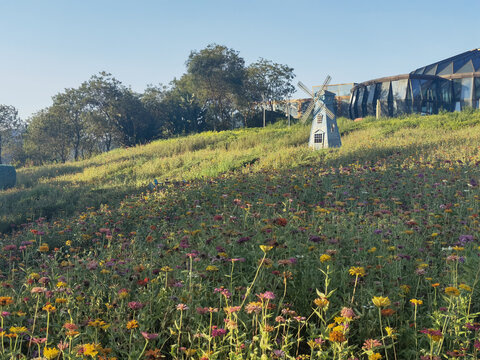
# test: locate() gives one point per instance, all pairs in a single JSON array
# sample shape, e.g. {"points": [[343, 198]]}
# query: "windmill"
{"points": [[324, 132]]}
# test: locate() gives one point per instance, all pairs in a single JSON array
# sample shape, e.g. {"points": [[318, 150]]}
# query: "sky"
{"points": [[49, 45]]}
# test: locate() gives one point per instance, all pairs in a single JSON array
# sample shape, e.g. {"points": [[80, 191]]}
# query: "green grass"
{"points": [[62, 189]]}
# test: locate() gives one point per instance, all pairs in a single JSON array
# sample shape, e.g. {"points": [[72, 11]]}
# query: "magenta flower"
{"points": [[218, 331]]}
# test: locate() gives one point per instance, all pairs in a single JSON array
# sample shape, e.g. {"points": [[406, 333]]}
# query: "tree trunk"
{"points": [[0, 148]]}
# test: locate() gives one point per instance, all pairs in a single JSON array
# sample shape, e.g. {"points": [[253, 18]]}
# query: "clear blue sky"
{"points": [[49, 45]]}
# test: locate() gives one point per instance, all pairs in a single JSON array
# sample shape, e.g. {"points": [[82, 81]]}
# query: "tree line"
{"points": [[218, 91]]}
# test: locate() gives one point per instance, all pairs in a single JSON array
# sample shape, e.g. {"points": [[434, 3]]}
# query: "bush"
{"points": [[8, 176]]}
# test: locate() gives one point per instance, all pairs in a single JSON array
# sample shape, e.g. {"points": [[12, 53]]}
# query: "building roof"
{"points": [[467, 62]]}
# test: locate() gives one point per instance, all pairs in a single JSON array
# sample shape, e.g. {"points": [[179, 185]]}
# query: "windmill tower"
{"points": [[324, 132]]}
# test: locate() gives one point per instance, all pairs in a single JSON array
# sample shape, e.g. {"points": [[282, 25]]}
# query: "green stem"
{"points": [[144, 348], [253, 282], [381, 330]]}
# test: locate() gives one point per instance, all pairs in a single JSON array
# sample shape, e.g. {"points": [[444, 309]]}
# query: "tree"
{"points": [[272, 80], [9, 122], [70, 106], [217, 75], [102, 95], [120, 114], [48, 137]]}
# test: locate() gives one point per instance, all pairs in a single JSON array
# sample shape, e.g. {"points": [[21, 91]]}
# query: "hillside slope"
{"points": [[61, 189]]}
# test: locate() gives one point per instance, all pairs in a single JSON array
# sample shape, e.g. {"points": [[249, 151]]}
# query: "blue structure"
{"points": [[451, 84]]}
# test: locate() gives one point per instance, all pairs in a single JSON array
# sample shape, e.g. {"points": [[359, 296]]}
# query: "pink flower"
{"points": [[182, 307], [370, 344], [135, 305], [62, 345], [347, 313], [267, 295], [38, 290], [148, 336]]}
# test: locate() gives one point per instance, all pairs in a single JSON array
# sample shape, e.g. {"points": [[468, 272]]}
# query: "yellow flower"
{"points": [[452, 291], [372, 250], [325, 257], [132, 324], [18, 329], [266, 248], [357, 271], [90, 350], [416, 302], [166, 269], [61, 284], [211, 268], [68, 243], [34, 276], [380, 301], [390, 331], [465, 287], [99, 323], [49, 308], [50, 353], [374, 356]]}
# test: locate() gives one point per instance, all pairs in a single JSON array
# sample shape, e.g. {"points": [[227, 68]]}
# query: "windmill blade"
{"points": [[307, 112], [304, 88], [330, 114], [324, 85], [310, 108]]}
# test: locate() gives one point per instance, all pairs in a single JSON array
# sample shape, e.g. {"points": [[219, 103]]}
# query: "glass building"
{"points": [[451, 84]]}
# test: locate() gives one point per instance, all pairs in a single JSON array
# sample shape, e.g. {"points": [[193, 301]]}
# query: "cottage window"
{"points": [[318, 138]]}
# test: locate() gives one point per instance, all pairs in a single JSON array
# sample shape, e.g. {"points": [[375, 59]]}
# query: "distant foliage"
{"points": [[217, 92]]}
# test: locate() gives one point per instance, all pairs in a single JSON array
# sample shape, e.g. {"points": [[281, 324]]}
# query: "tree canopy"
{"points": [[218, 91]]}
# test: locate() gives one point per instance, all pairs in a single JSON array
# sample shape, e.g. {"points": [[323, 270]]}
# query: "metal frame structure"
{"points": [[451, 84]]}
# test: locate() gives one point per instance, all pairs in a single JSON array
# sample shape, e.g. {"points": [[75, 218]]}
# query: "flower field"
{"points": [[370, 251]]}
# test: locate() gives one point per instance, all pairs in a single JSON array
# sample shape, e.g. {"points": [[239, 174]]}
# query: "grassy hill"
{"points": [[253, 246], [62, 189]]}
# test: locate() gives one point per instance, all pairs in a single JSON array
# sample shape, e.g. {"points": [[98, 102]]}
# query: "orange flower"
{"points": [[387, 312], [321, 302], [6, 300], [336, 336]]}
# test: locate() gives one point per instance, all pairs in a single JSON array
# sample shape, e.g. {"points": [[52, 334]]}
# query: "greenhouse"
{"points": [[452, 84]]}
